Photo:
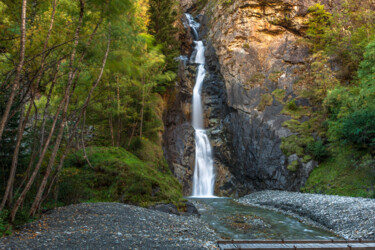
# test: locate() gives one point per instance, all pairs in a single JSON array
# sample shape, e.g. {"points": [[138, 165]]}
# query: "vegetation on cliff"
{"points": [[86, 77], [339, 84]]}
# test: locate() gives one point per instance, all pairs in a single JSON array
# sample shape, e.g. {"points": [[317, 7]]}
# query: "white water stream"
{"points": [[204, 176]]}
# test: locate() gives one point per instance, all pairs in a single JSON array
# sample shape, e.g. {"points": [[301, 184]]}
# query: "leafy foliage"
{"points": [[317, 150], [163, 17], [91, 77], [348, 101], [318, 22], [342, 174]]}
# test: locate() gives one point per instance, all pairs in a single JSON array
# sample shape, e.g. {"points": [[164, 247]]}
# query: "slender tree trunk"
{"points": [[28, 170], [47, 106], [42, 63], [66, 151], [39, 163], [16, 82], [38, 197], [83, 141], [52, 159], [13, 168], [142, 109], [12, 173], [118, 113], [132, 134], [118, 131], [33, 156], [111, 129], [8, 193], [67, 94]]}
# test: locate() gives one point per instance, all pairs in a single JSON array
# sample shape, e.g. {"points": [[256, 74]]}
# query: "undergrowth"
{"points": [[118, 175], [347, 172]]}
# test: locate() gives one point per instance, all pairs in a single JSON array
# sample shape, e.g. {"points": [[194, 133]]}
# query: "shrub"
{"points": [[318, 22], [292, 105], [317, 150], [358, 128], [4, 226]]}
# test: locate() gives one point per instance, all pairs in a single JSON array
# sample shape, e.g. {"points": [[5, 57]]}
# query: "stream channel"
{"points": [[235, 221]]}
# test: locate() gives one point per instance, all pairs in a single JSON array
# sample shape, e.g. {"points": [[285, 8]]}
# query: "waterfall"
{"points": [[204, 176]]}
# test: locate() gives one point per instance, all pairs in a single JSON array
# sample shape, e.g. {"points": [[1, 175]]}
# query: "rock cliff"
{"points": [[255, 56]]}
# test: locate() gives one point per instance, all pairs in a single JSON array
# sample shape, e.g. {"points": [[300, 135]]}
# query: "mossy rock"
{"points": [[295, 144], [118, 176], [150, 152], [256, 79], [265, 100], [306, 158], [274, 76], [293, 166], [295, 111], [279, 95]]}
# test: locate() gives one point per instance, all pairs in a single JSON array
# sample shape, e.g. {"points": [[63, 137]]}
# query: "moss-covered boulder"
{"points": [[118, 175]]}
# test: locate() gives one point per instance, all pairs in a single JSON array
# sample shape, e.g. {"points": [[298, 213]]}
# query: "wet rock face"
{"points": [[179, 141], [216, 117], [253, 49], [258, 49], [178, 138]]}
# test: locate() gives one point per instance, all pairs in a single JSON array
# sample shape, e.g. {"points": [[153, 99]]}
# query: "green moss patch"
{"points": [[295, 144], [295, 111], [266, 100], [274, 76], [279, 95], [256, 79], [118, 175], [293, 166]]}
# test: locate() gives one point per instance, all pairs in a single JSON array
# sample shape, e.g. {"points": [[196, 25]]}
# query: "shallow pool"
{"points": [[235, 221]]}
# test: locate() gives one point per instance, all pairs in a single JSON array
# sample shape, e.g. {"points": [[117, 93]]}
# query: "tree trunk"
{"points": [[143, 105], [42, 63], [47, 105], [13, 168], [83, 142], [40, 73], [118, 113], [132, 134], [52, 159], [16, 83], [111, 129]]}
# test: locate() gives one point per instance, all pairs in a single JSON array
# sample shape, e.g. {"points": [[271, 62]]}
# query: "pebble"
{"points": [[349, 217], [118, 226]]}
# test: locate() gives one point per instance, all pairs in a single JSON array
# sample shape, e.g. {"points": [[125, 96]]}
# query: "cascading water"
{"points": [[204, 176]]}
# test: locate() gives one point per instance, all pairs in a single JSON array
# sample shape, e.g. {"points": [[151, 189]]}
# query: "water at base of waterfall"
{"points": [[204, 174]]}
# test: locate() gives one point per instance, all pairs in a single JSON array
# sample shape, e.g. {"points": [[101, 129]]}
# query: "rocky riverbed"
{"points": [[348, 217], [112, 226]]}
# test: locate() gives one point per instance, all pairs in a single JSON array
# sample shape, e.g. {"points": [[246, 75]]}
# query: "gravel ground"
{"points": [[348, 217], [111, 226]]}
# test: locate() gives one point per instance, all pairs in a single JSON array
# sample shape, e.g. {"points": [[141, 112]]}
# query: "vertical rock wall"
{"points": [[254, 53]]}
